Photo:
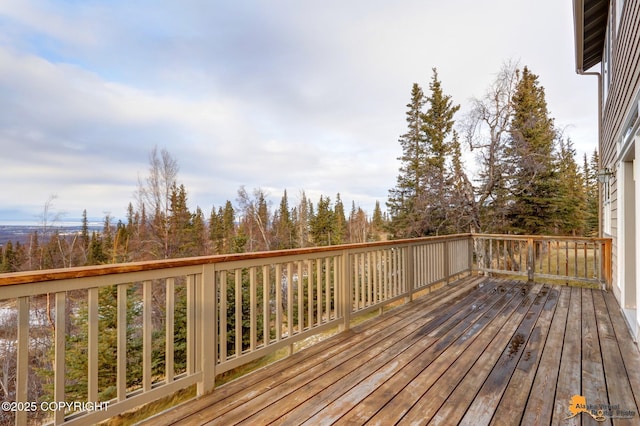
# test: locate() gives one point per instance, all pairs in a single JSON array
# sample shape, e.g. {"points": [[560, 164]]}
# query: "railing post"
{"points": [[92, 343], [531, 265], [60, 337], [409, 275], [471, 250], [22, 362], [147, 335], [121, 351], [346, 286], [446, 259], [605, 254], [207, 329]]}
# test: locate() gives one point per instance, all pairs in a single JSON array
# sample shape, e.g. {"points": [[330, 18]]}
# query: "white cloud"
{"points": [[286, 95]]}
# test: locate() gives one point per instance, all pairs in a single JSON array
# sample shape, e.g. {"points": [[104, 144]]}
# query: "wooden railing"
{"points": [[118, 336], [566, 259]]}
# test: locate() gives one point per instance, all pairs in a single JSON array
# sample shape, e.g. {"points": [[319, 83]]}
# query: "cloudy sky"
{"points": [[280, 94]]}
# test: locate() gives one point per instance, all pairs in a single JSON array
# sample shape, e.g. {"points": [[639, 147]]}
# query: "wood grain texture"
{"points": [[487, 351]]}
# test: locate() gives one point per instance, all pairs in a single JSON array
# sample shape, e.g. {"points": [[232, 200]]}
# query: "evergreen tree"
{"points": [[228, 221], [461, 196], [301, 217], [181, 238], [572, 197], [438, 126], [84, 237], [11, 257], [198, 234], [322, 224], [418, 204], [340, 225], [284, 228], [216, 236], [403, 198], [590, 174], [97, 256], [76, 358], [108, 240], [377, 222], [534, 184]]}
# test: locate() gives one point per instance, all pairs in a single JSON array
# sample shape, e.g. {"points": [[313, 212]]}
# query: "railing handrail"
{"points": [[540, 237], [24, 277]]}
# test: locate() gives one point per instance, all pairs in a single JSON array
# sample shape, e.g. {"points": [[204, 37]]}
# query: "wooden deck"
{"points": [[482, 351]]}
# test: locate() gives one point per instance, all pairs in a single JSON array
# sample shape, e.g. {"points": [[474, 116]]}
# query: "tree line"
{"points": [[160, 225]]}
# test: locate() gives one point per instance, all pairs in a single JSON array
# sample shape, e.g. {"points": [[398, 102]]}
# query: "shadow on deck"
{"points": [[482, 351]]}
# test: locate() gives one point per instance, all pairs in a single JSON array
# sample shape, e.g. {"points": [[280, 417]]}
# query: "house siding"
{"points": [[625, 80], [621, 98]]}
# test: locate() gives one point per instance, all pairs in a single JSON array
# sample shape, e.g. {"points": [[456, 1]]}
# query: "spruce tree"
{"points": [[418, 204], [180, 242], [340, 222], [377, 222], [590, 173], [301, 217], [284, 228], [461, 197], [84, 236], [438, 126], [228, 222], [572, 196], [402, 201], [534, 180], [215, 230], [198, 234], [322, 224]]}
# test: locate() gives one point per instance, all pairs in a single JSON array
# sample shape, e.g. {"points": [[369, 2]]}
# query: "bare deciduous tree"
{"points": [[154, 195], [255, 213], [487, 131]]}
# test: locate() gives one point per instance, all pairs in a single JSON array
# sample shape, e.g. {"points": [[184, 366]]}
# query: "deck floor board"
{"points": [[480, 351]]}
